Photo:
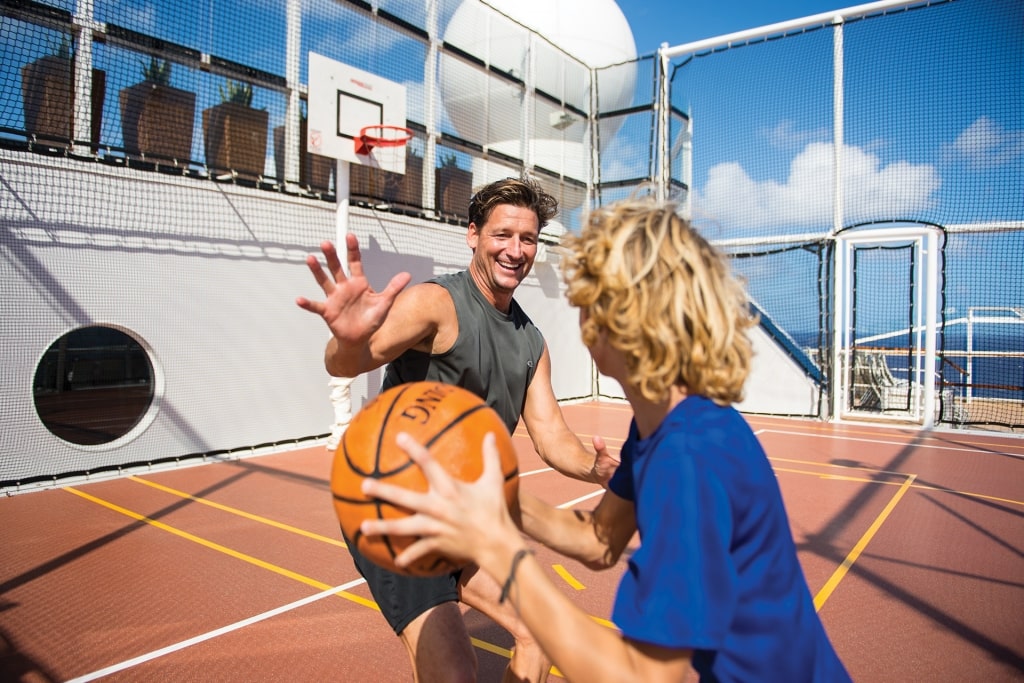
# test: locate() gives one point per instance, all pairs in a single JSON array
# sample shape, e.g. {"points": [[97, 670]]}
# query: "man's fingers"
{"points": [[355, 257], [333, 262], [311, 306], [313, 263], [396, 285]]}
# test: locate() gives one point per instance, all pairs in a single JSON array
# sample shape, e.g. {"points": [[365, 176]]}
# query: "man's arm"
{"points": [[420, 318], [556, 444], [596, 538], [372, 328]]}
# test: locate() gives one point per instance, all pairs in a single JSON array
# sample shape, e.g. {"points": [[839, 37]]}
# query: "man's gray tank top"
{"points": [[494, 356]]}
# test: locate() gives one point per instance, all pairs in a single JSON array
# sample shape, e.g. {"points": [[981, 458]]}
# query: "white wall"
{"points": [[206, 275]]}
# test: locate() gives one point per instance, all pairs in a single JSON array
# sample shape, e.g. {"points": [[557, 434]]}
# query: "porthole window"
{"points": [[93, 385]]}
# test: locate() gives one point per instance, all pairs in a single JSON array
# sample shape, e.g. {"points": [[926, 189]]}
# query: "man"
{"points": [[465, 329]]}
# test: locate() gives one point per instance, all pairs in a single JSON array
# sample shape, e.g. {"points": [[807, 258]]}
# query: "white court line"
{"points": [[540, 471], [838, 437], [571, 502], [581, 498], [213, 634]]}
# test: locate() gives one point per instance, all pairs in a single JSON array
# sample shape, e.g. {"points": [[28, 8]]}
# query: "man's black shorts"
{"points": [[403, 598]]}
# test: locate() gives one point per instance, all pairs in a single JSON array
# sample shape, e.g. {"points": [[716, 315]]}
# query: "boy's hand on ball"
{"points": [[453, 518]]}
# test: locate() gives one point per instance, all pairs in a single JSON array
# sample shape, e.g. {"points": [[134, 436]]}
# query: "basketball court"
{"points": [[235, 571]]}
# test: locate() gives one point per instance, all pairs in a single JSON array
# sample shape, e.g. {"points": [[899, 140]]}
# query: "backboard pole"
{"points": [[341, 387], [341, 193]]}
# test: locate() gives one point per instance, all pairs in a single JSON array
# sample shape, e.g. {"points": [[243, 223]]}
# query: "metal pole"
{"points": [[293, 42], [81, 104], [431, 100], [837, 125], [661, 170], [840, 344], [740, 37], [931, 279], [341, 192]]}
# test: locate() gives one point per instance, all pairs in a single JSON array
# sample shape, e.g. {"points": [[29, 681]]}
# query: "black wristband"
{"points": [[516, 559]]}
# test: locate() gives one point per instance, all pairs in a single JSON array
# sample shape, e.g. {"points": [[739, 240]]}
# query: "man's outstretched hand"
{"points": [[352, 309]]}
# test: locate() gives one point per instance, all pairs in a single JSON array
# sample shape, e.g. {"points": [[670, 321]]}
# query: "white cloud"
{"points": [[985, 144], [732, 199], [785, 136]]}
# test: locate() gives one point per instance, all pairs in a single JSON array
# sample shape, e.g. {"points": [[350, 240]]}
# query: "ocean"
{"points": [[996, 377]]}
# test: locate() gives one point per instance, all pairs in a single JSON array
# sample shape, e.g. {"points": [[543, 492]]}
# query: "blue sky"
{"points": [[683, 21], [929, 133], [934, 134]]}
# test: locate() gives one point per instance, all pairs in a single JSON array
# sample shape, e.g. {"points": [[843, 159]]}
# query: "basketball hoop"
{"points": [[381, 136]]}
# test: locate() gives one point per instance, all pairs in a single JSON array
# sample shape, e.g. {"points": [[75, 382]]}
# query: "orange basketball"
{"points": [[450, 422]]}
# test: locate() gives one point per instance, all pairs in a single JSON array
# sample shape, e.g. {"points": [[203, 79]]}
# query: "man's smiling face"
{"points": [[504, 249]]}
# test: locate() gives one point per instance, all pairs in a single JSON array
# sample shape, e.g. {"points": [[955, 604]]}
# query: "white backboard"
{"points": [[344, 99]]}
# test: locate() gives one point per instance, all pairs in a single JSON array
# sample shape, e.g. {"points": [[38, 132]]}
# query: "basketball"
{"points": [[451, 423]]}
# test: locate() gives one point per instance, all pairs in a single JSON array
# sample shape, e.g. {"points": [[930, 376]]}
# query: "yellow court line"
{"points": [[220, 548], [984, 496], [567, 577], [491, 647], [571, 580], [240, 513], [916, 446], [826, 475], [918, 487], [851, 558], [840, 467], [554, 670], [483, 645]]}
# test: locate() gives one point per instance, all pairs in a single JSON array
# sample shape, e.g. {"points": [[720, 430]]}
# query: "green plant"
{"points": [[158, 71], [449, 160], [65, 50], [237, 92]]}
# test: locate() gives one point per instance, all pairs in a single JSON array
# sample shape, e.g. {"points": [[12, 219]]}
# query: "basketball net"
{"points": [[382, 143]]}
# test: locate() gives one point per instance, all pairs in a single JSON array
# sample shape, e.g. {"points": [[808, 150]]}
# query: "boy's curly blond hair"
{"points": [[664, 297]]}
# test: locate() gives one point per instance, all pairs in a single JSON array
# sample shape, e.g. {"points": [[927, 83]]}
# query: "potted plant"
{"points": [[234, 133], [406, 189], [393, 188], [314, 170], [156, 119], [48, 98], [453, 187]]}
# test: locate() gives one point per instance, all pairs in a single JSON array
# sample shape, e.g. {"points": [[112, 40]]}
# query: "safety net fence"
{"points": [[153, 164]]}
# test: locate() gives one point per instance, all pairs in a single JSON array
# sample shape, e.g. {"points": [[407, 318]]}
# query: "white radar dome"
{"points": [[485, 110]]}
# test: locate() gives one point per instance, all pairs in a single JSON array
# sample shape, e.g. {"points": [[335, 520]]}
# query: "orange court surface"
{"points": [[912, 543]]}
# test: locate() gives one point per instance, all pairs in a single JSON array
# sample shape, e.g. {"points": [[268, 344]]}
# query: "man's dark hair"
{"points": [[525, 192]]}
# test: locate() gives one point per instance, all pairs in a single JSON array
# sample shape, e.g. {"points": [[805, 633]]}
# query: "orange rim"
{"points": [[367, 140]]}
